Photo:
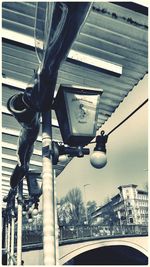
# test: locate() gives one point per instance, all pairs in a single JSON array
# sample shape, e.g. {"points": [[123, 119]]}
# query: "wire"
{"points": [[126, 118]]}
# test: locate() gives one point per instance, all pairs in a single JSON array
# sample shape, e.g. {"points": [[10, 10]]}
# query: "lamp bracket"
{"points": [[101, 141], [59, 149], [28, 202], [20, 200]]}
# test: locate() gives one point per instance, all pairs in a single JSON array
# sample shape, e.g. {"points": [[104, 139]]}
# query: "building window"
{"points": [[130, 212], [131, 220]]}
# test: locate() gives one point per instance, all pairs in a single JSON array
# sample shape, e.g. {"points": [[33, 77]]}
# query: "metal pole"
{"points": [[8, 242], [56, 221], [4, 230], [12, 238], [19, 226], [6, 233], [86, 212], [49, 240]]}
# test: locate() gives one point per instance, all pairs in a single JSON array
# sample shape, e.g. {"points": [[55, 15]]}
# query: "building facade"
{"points": [[128, 207]]}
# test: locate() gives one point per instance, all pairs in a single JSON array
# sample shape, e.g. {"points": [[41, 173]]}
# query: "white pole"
{"points": [[49, 240], [8, 242], [56, 222], [12, 238], [19, 226]]}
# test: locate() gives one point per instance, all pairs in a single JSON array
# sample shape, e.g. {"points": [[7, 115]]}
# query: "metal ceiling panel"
{"points": [[111, 32]]}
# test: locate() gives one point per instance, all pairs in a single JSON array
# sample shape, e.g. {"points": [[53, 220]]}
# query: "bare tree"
{"points": [[72, 210], [64, 211], [74, 196]]}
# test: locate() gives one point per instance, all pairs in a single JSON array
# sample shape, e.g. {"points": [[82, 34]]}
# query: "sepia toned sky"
{"points": [[127, 154]]}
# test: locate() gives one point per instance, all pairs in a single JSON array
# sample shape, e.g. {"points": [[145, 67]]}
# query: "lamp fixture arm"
{"points": [[58, 150], [74, 151]]}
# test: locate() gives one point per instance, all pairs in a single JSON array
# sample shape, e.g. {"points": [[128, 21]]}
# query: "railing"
{"points": [[101, 231], [31, 237], [84, 232]]}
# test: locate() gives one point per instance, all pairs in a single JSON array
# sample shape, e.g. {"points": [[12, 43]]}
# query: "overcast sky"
{"points": [[127, 154]]}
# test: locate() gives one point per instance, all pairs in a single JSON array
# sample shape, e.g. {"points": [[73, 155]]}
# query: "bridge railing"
{"points": [[34, 236], [72, 232]]}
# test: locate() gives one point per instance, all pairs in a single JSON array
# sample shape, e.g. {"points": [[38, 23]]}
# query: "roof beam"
{"points": [[13, 158], [54, 121], [14, 147], [73, 54]]}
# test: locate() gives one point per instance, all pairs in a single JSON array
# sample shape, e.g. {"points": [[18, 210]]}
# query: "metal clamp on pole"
{"points": [[59, 149], [49, 239]]}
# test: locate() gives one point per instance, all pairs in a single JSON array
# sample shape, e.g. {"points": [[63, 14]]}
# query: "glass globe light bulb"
{"points": [[24, 213], [30, 209], [63, 158], [30, 220], [35, 212], [98, 159]]}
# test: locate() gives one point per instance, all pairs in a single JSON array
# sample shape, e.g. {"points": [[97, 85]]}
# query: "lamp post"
{"points": [[49, 220], [86, 211], [19, 225]]}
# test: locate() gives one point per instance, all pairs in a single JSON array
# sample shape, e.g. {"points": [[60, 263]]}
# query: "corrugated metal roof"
{"points": [[111, 32]]}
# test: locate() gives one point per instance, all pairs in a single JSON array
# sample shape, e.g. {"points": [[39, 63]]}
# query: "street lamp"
{"points": [[76, 109], [86, 212], [35, 209], [30, 219], [98, 158]]}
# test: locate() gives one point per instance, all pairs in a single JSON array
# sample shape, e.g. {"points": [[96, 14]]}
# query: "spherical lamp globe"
{"points": [[98, 159], [30, 209], [23, 212], [35, 212], [30, 220], [63, 158]]}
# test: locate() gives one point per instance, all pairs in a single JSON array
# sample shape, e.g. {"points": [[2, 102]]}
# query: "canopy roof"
{"points": [[117, 38]]}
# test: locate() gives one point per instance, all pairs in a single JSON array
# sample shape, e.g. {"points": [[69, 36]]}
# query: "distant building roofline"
{"points": [[128, 185], [101, 207], [116, 196]]}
